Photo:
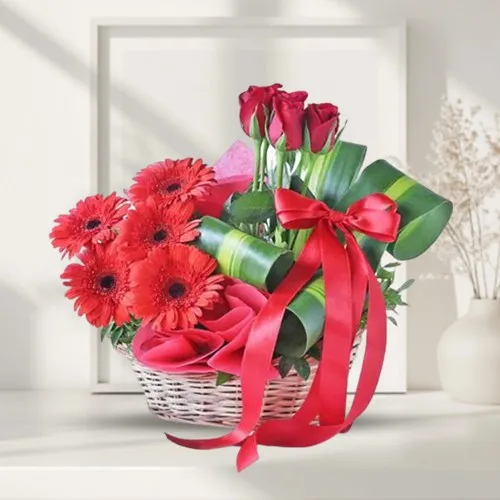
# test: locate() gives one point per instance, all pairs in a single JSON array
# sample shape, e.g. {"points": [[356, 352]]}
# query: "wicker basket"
{"points": [[194, 398]]}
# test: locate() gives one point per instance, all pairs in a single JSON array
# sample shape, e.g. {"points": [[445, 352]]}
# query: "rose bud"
{"points": [[321, 127], [286, 125], [255, 106]]}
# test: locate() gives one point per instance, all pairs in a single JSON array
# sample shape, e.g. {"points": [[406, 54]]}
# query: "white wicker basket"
{"points": [[194, 398]]}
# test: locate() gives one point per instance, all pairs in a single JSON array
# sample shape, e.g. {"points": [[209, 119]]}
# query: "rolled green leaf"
{"points": [[253, 207], [258, 263], [242, 256], [424, 214], [304, 320]]}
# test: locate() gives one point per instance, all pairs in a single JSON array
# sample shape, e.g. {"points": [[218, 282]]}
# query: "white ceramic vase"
{"points": [[469, 355]]}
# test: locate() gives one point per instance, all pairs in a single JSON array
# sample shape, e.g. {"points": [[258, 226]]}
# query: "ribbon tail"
{"points": [[248, 453], [297, 434], [338, 332]]}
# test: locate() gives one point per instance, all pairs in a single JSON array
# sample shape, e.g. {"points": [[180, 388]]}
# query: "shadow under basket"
{"points": [[196, 399]]}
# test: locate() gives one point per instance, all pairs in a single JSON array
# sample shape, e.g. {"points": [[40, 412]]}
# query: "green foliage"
{"points": [[301, 365], [223, 377], [406, 285], [298, 185], [285, 365], [243, 256], [252, 208], [226, 211], [121, 334], [393, 300], [314, 352], [302, 368]]}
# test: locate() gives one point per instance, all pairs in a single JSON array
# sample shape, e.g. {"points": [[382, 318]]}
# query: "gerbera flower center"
{"points": [[107, 282], [160, 235], [92, 224], [176, 290], [173, 187]]}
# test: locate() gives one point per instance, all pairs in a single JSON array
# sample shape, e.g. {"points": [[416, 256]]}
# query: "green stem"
{"points": [[280, 165], [263, 163], [306, 165], [257, 161]]}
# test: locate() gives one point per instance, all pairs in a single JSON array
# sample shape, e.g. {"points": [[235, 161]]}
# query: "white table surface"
{"points": [[69, 445]]}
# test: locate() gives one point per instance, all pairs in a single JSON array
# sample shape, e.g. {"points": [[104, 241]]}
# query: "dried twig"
{"points": [[466, 155]]}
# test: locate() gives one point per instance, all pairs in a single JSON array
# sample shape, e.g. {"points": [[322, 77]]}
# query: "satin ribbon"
{"points": [[347, 276]]}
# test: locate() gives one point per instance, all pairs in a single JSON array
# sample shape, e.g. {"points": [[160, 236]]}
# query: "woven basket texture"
{"points": [[195, 398]]}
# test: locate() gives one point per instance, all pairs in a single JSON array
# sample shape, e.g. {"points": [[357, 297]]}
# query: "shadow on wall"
{"points": [[16, 355], [471, 34], [132, 105]]}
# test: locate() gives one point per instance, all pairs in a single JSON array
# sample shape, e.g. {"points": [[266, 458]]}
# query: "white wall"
{"points": [[45, 153]]}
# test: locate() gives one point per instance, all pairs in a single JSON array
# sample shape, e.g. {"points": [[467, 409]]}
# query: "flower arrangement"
{"points": [[466, 155], [260, 276]]}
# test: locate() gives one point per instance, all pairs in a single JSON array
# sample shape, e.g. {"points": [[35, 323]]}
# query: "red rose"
{"points": [[322, 125], [212, 203], [254, 109], [234, 324], [286, 125], [182, 351]]}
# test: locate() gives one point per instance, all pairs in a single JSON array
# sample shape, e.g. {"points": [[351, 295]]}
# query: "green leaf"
{"points": [[334, 172], [226, 210], [253, 207], [314, 352], [406, 285], [223, 377], [383, 274], [105, 332], [242, 256], [302, 368], [297, 185], [392, 320], [116, 334], [304, 319], [285, 365], [392, 264]]}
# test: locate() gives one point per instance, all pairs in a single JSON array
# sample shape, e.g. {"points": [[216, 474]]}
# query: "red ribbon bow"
{"points": [[347, 276]]}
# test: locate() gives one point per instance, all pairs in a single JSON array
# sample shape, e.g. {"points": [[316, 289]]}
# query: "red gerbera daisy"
{"points": [[99, 284], [172, 181], [172, 286], [92, 220], [153, 224]]}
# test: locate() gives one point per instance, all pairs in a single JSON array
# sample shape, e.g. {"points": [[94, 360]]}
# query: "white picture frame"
{"points": [[391, 41]]}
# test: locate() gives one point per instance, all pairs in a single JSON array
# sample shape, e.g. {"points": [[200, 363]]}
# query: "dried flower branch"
{"points": [[466, 155]]}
